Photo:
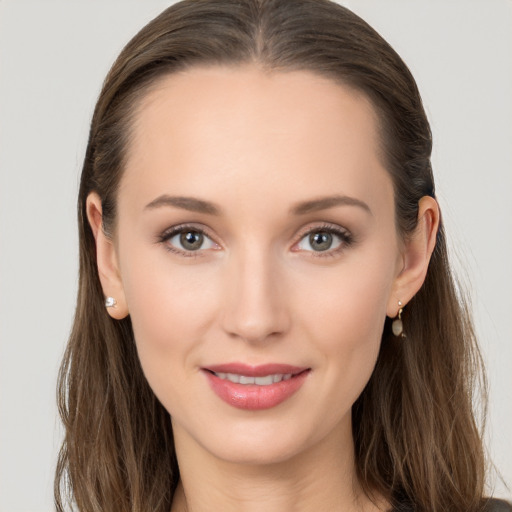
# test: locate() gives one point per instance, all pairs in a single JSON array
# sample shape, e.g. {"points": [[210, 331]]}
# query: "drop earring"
{"points": [[397, 326], [110, 302]]}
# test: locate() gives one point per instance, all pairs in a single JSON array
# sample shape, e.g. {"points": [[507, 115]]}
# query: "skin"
{"points": [[255, 145]]}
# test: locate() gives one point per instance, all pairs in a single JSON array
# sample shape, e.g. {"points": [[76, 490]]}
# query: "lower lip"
{"points": [[253, 397]]}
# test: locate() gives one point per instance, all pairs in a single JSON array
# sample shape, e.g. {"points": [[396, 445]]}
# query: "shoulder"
{"points": [[494, 505]]}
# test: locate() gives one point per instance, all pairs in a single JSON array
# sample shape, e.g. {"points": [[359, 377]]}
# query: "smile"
{"points": [[259, 381], [255, 387]]}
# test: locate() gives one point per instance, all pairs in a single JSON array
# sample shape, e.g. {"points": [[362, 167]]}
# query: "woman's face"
{"points": [[256, 240]]}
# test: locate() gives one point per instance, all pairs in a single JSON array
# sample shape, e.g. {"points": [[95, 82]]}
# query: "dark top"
{"points": [[492, 505], [498, 506]]}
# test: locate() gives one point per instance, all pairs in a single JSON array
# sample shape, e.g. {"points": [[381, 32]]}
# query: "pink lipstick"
{"points": [[255, 387]]}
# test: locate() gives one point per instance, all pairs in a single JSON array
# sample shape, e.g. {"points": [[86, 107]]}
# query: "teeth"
{"points": [[260, 381], [264, 381]]}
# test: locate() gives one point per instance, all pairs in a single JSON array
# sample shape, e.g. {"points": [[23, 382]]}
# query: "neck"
{"points": [[319, 478]]}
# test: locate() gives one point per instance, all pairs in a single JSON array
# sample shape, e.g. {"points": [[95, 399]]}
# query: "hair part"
{"points": [[415, 435]]}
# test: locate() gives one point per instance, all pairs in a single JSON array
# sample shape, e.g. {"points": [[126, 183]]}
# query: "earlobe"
{"points": [[418, 249], [107, 261]]}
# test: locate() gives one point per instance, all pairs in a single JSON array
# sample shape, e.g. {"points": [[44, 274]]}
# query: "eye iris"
{"points": [[320, 241], [191, 240]]}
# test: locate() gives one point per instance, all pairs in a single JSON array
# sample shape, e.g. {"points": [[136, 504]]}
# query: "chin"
{"points": [[263, 442], [258, 453]]}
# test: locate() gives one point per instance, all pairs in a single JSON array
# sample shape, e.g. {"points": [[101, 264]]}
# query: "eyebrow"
{"points": [[324, 203], [193, 204], [186, 203]]}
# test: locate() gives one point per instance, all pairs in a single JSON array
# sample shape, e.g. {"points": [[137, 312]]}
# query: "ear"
{"points": [[417, 250], [106, 257]]}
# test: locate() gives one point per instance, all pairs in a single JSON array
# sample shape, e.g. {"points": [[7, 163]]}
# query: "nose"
{"points": [[255, 308]]}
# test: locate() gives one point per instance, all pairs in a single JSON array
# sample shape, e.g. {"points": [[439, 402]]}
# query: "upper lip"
{"points": [[256, 371]]}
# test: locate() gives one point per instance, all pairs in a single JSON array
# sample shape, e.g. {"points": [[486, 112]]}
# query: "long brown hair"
{"points": [[414, 429]]}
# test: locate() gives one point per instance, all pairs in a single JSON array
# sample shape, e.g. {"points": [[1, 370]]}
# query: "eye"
{"points": [[324, 239], [183, 240]]}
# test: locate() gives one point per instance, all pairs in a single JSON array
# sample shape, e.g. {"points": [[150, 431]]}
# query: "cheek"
{"points": [[350, 303], [170, 309], [346, 318], [163, 298]]}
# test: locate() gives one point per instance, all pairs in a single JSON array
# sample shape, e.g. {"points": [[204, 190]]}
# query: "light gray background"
{"points": [[53, 57]]}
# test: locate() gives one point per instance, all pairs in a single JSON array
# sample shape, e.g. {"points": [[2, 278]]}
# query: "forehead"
{"points": [[244, 128]]}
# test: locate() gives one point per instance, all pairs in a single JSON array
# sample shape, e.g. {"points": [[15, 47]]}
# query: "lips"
{"points": [[259, 381], [255, 387]]}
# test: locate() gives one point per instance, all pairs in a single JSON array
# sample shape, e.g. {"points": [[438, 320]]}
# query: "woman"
{"points": [[266, 316]]}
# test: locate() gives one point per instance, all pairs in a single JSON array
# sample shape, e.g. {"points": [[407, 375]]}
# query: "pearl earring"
{"points": [[110, 302], [397, 326]]}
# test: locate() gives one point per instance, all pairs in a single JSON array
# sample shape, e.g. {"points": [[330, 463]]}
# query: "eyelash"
{"points": [[346, 240], [345, 237], [176, 230]]}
